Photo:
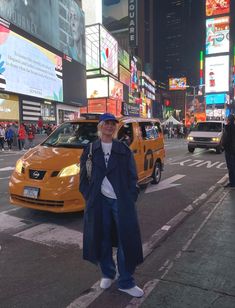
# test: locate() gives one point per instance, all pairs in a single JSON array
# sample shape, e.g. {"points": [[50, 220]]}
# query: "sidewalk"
{"points": [[202, 273]]}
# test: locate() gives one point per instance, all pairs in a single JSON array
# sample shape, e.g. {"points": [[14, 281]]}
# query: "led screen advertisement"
{"points": [[217, 74], [97, 87], [124, 76], [215, 99], [9, 107], [115, 14], [59, 23], [177, 83], [29, 69], [217, 7], [102, 50], [217, 35], [195, 109], [115, 89]]}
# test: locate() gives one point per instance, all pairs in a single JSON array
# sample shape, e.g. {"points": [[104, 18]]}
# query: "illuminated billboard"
{"points": [[217, 35], [9, 107], [217, 74], [177, 83], [93, 11], [217, 7], [60, 23], [195, 109], [97, 87], [101, 50], [215, 99], [124, 58], [28, 68], [115, 89], [124, 76]]}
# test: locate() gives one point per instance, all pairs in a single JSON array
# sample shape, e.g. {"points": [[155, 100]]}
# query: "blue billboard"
{"points": [[215, 99]]}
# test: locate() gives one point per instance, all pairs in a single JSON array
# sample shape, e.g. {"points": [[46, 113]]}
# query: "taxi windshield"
{"points": [[72, 135]]}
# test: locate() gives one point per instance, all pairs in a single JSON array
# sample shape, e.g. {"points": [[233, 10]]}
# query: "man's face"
{"points": [[74, 23]]}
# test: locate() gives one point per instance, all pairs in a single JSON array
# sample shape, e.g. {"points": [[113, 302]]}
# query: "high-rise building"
{"points": [[179, 39]]}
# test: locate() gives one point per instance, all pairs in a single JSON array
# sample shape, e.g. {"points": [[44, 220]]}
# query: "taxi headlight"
{"points": [[189, 138], [19, 166], [70, 170], [215, 139]]}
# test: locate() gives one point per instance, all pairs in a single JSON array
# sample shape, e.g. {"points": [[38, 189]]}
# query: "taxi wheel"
{"points": [[157, 173]]}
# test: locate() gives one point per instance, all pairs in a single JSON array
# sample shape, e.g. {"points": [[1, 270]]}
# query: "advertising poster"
{"points": [[97, 87], [109, 52], [216, 99], [115, 89], [217, 35], [124, 76], [217, 74], [115, 14], [124, 58], [195, 110], [29, 69], [177, 83], [60, 23], [217, 7], [9, 107]]}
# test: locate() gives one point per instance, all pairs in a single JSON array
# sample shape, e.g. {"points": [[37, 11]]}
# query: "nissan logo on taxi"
{"points": [[132, 13], [36, 174]]}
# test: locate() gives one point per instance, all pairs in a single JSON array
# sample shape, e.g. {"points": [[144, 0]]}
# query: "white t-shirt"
{"points": [[106, 186]]}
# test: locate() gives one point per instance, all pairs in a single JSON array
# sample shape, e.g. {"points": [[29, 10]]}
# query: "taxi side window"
{"points": [[125, 133], [158, 127], [148, 130]]}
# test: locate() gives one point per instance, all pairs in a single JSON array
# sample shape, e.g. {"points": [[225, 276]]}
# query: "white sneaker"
{"points": [[105, 283], [135, 291]]}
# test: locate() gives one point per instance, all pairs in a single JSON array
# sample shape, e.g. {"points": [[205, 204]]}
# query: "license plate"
{"points": [[31, 192]]}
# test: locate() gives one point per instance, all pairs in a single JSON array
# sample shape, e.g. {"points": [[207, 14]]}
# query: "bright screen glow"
{"points": [[217, 74], [115, 89], [217, 35], [97, 87], [28, 68], [212, 99], [217, 7], [177, 83], [124, 76]]}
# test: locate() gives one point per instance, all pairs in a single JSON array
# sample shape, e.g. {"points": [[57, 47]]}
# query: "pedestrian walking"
{"points": [[9, 135], [228, 142], [110, 218], [21, 137], [40, 125], [31, 136], [2, 137]]}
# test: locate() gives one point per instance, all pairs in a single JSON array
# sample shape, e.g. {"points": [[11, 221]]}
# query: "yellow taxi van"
{"points": [[47, 176]]}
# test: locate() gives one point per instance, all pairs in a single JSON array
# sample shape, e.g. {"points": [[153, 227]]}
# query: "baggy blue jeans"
{"points": [[230, 161], [107, 264]]}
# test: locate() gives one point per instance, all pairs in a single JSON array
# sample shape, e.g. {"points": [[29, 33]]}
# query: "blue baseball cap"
{"points": [[107, 117]]}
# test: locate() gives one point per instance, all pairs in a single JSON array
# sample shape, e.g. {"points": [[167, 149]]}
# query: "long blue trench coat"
{"points": [[121, 172]]}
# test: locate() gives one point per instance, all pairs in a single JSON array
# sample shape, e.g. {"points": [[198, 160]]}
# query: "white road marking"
{"points": [[198, 163], [221, 181], [8, 222], [8, 177], [165, 184], [7, 169], [52, 235]]}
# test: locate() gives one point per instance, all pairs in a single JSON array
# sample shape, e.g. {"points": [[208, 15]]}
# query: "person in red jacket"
{"points": [[31, 135], [21, 137]]}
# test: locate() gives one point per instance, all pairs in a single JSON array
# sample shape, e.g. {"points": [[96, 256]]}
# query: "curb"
{"points": [[160, 235]]}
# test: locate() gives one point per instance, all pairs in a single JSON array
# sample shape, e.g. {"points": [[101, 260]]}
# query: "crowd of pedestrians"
{"points": [[178, 131], [19, 136]]}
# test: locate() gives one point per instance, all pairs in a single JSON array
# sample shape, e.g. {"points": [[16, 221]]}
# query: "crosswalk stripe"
{"points": [[8, 222], [52, 235]]}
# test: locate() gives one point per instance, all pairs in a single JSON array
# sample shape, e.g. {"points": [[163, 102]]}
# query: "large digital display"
{"points": [[28, 68], [215, 99], [59, 23], [9, 107], [97, 87], [93, 11], [217, 35], [217, 7], [115, 89], [177, 83], [124, 76], [217, 74], [195, 109]]}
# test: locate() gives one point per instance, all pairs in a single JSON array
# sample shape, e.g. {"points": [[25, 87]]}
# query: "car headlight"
{"points": [[19, 166], [189, 138], [216, 139], [70, 170]]}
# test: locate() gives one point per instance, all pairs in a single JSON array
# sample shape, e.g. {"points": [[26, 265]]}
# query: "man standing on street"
{"points": [[228, 142]]}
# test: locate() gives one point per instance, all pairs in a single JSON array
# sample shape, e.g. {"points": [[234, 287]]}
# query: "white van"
{"points": [[206, 135]]}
